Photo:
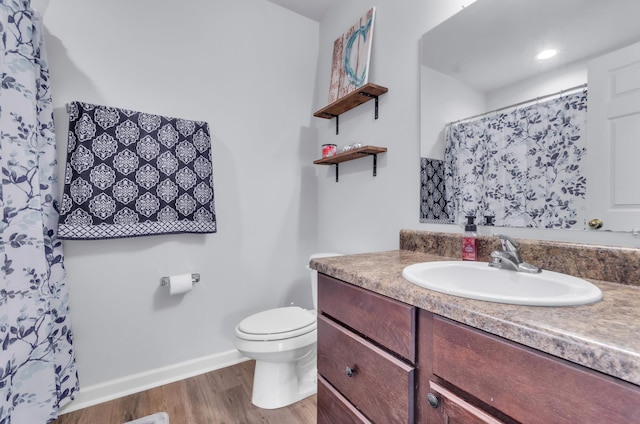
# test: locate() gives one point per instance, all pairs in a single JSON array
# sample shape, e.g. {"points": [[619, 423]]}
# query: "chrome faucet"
{"points": [[509, 257]]}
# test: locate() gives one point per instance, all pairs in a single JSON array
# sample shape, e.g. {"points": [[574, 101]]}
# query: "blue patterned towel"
{"points": [[133, 174]]}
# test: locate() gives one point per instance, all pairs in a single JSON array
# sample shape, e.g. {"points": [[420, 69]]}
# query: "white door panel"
{"points": [[613, 139]]}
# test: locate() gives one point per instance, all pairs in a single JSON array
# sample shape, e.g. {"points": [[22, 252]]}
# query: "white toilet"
{"points": [[283, 343]]}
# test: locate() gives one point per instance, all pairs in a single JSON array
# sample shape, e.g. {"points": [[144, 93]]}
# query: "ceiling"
{"points": [[312, 9], [463, 44], [493, 43]]}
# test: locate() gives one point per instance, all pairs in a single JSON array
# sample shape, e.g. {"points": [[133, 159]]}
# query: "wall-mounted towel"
{"points": [[133, 174], [433, 204]]}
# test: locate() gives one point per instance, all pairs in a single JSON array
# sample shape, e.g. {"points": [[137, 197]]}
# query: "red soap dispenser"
{"points": [[469, 247]]}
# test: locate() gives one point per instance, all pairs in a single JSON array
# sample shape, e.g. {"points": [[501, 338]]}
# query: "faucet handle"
{"points": [[509, 257], [508, 243], [511, 246]]}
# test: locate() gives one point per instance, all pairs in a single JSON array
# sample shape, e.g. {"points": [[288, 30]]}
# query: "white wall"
{"points": [[256, 73], [444, 99], [247, 67], [362, 213], [550, 82]]}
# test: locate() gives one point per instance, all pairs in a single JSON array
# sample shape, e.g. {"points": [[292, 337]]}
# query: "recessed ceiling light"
{"points": [[547, 54]]}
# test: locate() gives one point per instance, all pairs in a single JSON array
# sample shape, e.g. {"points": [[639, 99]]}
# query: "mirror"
{"points": [[483, 58]]}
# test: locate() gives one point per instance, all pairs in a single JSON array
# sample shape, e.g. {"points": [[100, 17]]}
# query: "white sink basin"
{"points": [[477, 280]]}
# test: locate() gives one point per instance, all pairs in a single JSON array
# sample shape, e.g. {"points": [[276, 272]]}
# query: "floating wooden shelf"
{"points": [[362, 95], [352, 155]]}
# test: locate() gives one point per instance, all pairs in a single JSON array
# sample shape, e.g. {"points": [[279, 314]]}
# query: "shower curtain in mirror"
{"points": [[525, 167], [37, 362]]}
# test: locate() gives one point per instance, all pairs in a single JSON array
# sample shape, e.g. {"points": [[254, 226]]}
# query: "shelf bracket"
{"points": [[373, 96], [375, 164], [337, 121]]}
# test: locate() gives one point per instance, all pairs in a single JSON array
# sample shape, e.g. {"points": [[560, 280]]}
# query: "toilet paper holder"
{"points": [[164, 281]]}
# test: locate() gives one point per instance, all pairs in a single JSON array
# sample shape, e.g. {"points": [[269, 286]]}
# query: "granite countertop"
{"points": [[603, 336]]}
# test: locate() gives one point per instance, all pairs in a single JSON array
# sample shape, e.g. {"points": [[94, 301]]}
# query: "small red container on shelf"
{"points": [[329, 150]]}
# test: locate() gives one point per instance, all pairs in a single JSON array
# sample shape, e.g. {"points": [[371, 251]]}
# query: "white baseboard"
{"points": [[103, 392]]}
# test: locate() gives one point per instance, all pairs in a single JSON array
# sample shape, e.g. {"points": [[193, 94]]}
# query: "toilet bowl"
{"points": [[283, 343]]}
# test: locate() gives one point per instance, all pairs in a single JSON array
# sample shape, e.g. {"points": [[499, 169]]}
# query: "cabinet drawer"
{"points": [[386, 321], [453, 409], [379, 384], [526, 384], [334, 408]]}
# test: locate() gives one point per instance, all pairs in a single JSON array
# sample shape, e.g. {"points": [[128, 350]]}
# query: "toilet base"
{"points": [[276, 385]]}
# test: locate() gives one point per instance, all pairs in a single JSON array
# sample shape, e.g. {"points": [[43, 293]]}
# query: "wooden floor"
{"points": [[218, 397]]}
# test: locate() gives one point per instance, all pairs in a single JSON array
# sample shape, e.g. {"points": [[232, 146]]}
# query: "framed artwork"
{"points": [[351, 54]]}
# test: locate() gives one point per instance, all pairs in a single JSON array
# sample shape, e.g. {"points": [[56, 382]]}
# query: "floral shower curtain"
{"points": [[37, 362], [524, 167]]}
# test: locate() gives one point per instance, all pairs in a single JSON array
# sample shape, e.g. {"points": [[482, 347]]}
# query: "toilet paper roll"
{"points": [[180, 283]]}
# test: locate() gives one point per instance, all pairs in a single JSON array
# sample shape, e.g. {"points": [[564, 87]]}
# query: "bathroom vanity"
{"points": [[366, 354], [393, 352]]}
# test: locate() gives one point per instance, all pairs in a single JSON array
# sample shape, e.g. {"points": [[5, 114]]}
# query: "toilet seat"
{"points": [[277, 324]]}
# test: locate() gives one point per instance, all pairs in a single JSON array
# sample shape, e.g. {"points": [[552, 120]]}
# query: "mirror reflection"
{"points": [[481, 64]]}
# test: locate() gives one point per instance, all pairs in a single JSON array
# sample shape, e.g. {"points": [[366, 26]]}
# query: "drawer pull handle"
{"points": [[349, 371], [433, 400]]}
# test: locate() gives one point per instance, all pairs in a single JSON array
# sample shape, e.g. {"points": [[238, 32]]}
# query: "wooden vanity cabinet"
{"points": [[333, 407], [453, 409], [525, 385], [385, 321], [383, 361], [366, 356]]}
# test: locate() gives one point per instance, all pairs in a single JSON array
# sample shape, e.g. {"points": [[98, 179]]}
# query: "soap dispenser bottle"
{"points": [[469, 246]]}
